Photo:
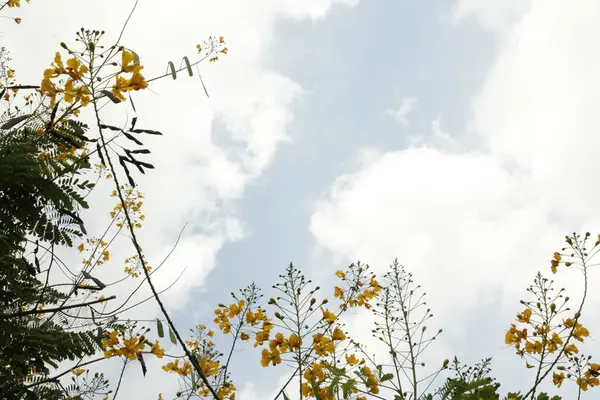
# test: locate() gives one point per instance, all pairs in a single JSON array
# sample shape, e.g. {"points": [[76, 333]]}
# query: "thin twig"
{"points": [[23, 313]]}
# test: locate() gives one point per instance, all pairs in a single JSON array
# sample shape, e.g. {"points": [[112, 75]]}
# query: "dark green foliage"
{"points": [[40, 196]]}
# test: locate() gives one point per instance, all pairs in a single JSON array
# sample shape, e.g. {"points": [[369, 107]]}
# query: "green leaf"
{"points": [[188, 65], [14, 121], [159, 328], [285, 396], [172, 68], [172, 336], [386, 377]]}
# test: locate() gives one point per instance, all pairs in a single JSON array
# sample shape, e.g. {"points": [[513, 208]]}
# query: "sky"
{"points": [[456, 136]]}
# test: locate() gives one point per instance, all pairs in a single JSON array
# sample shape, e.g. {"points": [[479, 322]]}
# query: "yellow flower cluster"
{"points": [[277, 346], [358, 291], [224, 315], [129, 64], [213, 48], [133, 205], [74, 90], [546, 341], [133, 266], [130, 347], [98, 252], [182, 370]]}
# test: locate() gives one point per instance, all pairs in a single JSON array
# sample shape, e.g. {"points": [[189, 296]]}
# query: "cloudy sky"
{"points": [[457, 136]]}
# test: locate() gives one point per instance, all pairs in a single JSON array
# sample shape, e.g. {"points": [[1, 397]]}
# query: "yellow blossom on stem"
{"points": [[557, 379], [351, 359], [328, 316], [525, 316], [571, 349], [157, 350], [295, 342], [268, 357], [338, 334]]}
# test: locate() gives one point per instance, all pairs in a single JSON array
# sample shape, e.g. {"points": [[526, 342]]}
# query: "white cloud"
{"points": [[195, 179], [475, 227], [497, 15]]}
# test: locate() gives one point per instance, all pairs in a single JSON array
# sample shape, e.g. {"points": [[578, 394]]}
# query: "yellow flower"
{"points": [[338, 334], [244, 336], [80, 247], [48, 88], [554, 342], [77, 371], [111, 339], [591, 375], [314, 374], [268, 357], [525, 316], [10, 73], [75, 69], [221, 39], [554, 266], [132, 347], [338, 292], [260, 337], [322, 345], [127, 58], [569, 323], [340, 274], [236, 308], [137, 80], [571, 349], [533, 347], [279, 342], [81, 93], [579, 332], [514, 336], [156, 350], [209, 367], [295, 342], [351, 359], [328, 316], [120, 86], [557, 379]]}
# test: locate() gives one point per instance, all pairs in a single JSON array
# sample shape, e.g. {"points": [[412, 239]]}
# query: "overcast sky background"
{"points": [[458, 136]]}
